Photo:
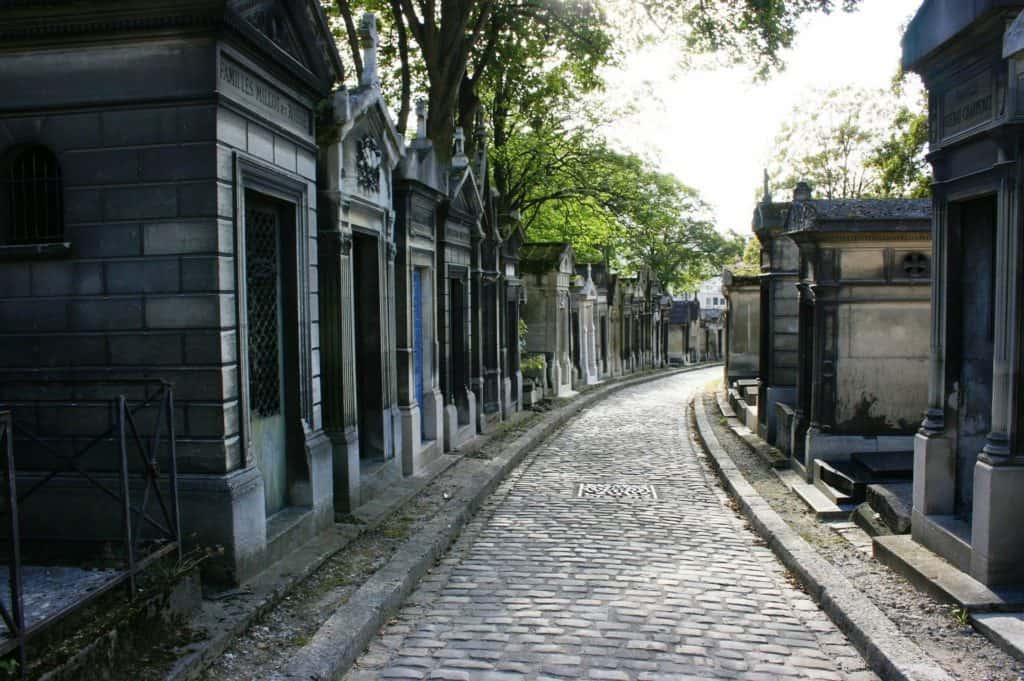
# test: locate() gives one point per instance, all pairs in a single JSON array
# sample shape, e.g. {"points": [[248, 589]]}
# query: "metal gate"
{"points": [[265, 327]]}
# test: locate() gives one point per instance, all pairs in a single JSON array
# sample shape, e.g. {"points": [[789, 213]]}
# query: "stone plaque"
{"points": [[967, 106], [242, 85]]}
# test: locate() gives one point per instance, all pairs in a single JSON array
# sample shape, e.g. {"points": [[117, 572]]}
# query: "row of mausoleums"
{"points": [[185, 196], [868, 316]]}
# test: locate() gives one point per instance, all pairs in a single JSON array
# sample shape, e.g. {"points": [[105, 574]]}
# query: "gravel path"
{"points": [[963, 652]]}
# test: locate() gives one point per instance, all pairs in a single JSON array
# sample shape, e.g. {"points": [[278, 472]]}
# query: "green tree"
{"points": [[753, 32], [853, 143], [459, 40], [899, 160]]}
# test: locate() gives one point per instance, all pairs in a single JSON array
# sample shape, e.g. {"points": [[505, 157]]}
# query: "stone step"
{"points": [[892, 501], [839, 480], [886, 465], [930, 573], [870, 521], [822, 507], [1006, 630]]}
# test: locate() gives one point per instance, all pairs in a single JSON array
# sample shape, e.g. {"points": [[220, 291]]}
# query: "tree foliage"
{"points": [[854, 143], [899, 160], [532, 69]]}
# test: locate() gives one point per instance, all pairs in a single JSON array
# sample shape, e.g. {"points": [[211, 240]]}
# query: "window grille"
{"points": [[32, 192], [263, 295], [916, 265]]}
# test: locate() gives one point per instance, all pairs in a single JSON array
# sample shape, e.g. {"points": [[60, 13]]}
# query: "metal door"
{"points": [[263, 286]]}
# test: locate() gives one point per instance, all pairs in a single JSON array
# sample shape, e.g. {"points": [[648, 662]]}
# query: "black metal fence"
{"points": [[149, 519]]}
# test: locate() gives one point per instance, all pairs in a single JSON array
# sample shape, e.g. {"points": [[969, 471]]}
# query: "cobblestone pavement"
{"points": [[618, 583]]}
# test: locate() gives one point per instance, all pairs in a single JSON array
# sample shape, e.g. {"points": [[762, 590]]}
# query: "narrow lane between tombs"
{"points": [[612, 553]]}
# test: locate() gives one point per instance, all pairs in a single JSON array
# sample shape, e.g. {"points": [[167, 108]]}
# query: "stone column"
{"points": [[390, 354], [1007, 253], [997, 555], [337, 366], [934, 459]]}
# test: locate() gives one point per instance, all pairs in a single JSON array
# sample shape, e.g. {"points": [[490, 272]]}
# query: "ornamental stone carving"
{"points": [[368, 162]]}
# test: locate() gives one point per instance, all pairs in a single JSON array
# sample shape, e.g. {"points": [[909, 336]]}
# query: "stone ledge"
{"points": [[876, 637], [1006, 630], [932, 574], [772, 456], [351, 628]]}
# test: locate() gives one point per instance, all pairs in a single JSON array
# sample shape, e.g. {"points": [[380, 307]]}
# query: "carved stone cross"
{"points": [[369, 41]]}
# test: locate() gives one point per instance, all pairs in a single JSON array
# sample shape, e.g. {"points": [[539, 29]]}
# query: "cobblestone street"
{"points": [[611, 554]]}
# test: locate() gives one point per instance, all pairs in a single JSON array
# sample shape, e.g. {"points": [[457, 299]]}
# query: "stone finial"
{"points": [[480, 133], [459, 159], [369, 41], [767, 196], [480, 137], [421, 118], [802, 192]]}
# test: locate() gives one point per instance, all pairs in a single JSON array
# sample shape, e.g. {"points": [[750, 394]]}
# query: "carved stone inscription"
{"points": [[967, 105], [239, 83]]}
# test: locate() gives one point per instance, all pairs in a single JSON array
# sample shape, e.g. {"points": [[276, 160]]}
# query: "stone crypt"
{"points": [[969, 451], [178, 162], [357, 276], [864, 288]]}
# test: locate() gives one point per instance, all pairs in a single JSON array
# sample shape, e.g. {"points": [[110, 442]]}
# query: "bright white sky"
{"points": [[714, 129]]}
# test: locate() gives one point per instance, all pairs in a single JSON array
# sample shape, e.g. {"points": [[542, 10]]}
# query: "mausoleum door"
{"points": [[265, 320], [417, 340], [369, 352], [459, 347], [977, 266]]}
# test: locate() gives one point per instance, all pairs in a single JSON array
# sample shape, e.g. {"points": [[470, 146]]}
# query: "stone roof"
{"points": [[872, 209], [543, 252], [937, 22], [768, 216], [860, 215]]}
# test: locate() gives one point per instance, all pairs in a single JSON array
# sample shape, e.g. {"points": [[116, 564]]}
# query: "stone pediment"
{"points": [[271, 19], [296, 28], [464, 193]]}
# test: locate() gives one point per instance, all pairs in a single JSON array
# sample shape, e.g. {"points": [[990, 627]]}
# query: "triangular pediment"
{"points": [[465, 195], [296, 28], [272, 20]]}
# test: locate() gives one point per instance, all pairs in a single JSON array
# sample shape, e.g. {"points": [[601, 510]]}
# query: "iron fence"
{"points": [[157, 511]]}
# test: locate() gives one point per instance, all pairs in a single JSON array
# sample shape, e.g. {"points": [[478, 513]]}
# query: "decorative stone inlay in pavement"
{"points": [[616, 490], [543, 585]]}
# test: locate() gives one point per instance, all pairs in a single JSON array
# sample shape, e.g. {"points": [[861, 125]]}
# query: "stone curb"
{"points": [[348, 631], [876, 637]]}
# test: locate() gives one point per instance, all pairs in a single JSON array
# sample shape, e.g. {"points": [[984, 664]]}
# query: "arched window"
{"points": [[34, 209]]}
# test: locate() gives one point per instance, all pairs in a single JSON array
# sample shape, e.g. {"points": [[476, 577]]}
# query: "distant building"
{"points": [[710, 295]]}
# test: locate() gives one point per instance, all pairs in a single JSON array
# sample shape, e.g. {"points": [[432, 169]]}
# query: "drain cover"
{"points": [[616, 490]]}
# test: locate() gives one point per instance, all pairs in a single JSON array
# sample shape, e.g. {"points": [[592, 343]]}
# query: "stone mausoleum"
{"points": [[864, 284], [777, 355], [742, 325], [419, 191], [547, 272], [357, 269], [171, 232], [969, 452]]}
